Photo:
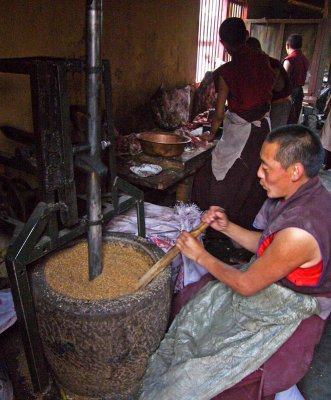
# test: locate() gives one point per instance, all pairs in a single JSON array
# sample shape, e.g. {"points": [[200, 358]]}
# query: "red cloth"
{"points": [[249, 77], [300, 276], [299, 65]]}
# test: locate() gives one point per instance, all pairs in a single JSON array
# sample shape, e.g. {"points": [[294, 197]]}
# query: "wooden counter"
{"points": [[177, 171]]}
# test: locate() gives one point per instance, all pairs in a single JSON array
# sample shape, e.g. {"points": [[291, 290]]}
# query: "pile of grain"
{"points": [[66, 272]]}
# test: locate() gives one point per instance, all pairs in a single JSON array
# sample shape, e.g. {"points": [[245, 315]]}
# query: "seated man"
{"points": [[237, 322]]}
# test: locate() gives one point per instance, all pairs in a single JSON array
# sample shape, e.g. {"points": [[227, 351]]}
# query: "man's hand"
{"points": [[190, 246], [207, 136], [216, 218]]}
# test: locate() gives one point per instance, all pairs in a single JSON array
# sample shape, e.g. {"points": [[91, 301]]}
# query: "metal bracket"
{"points": [[90, 164]]}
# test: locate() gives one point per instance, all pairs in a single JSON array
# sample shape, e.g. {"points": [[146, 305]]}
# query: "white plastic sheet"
{"points": [[292, 393], [7, 310], [163, 225]]}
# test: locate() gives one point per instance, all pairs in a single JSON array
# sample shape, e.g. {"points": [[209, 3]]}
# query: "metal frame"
{"points": [[55, 220]]}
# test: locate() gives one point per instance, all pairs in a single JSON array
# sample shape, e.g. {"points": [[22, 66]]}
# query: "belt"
{"points": [[281, 100]]}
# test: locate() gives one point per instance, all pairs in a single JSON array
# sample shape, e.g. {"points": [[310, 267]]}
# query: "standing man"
{"points": [[245, 83], [296, 65], [281, 100]]}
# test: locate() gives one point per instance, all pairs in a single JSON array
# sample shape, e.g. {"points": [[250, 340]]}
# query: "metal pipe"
{"points": [[93, 96]]}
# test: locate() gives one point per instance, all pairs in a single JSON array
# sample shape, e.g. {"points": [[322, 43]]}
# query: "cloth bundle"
{"points": [[163, 225]]}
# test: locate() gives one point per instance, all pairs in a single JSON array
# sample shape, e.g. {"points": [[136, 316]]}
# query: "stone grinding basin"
{"points": [[100, 348]]}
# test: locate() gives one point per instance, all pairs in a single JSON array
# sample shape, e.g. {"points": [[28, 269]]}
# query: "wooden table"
{"points": [[178, 171]]}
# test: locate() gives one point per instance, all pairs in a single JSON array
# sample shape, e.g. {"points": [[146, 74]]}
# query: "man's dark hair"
{"points": [[233, 31], [297, 143], [253, 43], [294, 41]]}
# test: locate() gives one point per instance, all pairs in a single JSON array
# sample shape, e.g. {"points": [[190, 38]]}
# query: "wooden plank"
{"points": [[270, 37], [312, 90], [306, 5], [180, 162], [174, 170], [284, 21]]}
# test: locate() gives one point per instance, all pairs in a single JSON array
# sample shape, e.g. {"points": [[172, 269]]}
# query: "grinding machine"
{"points": [[56, 220]]}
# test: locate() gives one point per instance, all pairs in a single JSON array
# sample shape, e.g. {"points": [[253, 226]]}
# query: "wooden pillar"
{"points": [[183, 190]]}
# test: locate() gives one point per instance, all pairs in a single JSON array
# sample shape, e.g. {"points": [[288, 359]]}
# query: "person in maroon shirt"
{"points": [[281, 101], [229, 178], [296, 66]]}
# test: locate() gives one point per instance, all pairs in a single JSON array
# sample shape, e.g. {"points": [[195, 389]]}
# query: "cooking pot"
{"points": [[164, 144]]}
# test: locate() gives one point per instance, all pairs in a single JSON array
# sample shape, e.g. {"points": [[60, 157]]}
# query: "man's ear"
{"points": [[297, 172]]}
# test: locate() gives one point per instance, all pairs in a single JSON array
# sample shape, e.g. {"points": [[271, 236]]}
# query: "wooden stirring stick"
{"points": [[166, 259]]}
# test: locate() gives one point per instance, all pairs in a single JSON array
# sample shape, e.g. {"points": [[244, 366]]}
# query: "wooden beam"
{"points": [[285, 21], [306, 5], [326, 9], [312, 89]]}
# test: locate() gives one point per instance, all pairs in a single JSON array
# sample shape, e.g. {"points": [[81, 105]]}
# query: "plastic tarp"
{"points": [[219, 338]]}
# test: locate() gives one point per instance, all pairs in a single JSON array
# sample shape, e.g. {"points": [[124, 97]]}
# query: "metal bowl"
{"points": [[164, 144]]}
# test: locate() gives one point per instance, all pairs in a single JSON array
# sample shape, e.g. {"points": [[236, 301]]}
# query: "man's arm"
{"points": [[223, 92], [290, 249], [287, 66], [218, 220]]}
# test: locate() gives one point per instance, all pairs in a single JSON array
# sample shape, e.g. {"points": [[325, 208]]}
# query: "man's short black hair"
{"points": [[297, 143], [233, 31], [294, 41], [254, 43]]}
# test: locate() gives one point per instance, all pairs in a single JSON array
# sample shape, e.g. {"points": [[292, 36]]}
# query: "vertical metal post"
{"points": [[93, 90]]}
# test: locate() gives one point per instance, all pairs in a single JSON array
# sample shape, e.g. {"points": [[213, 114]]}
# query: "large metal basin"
{"points": [[163, 144]]}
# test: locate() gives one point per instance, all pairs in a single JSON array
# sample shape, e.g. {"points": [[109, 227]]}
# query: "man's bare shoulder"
{"points": [[296, 246]]}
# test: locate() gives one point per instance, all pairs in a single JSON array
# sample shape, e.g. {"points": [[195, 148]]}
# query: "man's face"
{"points": [[273, 177]]}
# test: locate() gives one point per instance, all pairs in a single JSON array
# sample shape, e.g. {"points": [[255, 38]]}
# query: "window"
{"points": [[212, 12]]}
